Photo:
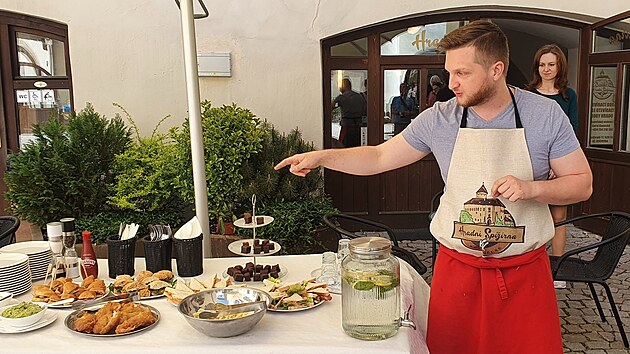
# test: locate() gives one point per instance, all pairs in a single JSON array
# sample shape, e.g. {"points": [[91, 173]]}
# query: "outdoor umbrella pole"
{"points": [[194, 110]]}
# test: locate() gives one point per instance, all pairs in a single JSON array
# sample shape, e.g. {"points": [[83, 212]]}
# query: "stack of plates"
{"points": [[15, 273], [39, 256]]}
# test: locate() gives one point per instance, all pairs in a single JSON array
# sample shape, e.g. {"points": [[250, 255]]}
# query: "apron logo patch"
{"points": [[486, 225]]}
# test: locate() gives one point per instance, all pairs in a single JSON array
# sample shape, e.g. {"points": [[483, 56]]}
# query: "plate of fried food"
{"points": [[149, 285], [112, 319], [65, 288], [176, 293], [295, 296]]}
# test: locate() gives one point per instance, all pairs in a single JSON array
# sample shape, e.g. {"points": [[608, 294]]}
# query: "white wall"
{"points": [[130, 52]]}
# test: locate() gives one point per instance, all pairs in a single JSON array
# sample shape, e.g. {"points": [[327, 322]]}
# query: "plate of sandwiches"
{"points": [[181, 288], [149, 285], [65, 288], [296, 296]]}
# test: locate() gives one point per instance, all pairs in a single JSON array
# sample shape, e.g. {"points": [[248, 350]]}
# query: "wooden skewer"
{"points": [[48, 270]]}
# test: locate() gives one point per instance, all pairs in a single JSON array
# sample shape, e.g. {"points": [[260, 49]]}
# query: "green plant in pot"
{"points": [[67, 169], [298, 204], [230, 136], [144, 189]]}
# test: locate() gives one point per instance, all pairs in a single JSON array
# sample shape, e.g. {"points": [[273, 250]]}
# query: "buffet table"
{"points": [[317, 330]]}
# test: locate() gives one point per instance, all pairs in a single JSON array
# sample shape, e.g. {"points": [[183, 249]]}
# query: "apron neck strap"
{"points": [[517, 116]]}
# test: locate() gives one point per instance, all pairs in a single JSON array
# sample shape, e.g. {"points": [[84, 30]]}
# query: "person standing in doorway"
{"points": [[353, 108], [403, 109], [494, 145], [549, 71]]}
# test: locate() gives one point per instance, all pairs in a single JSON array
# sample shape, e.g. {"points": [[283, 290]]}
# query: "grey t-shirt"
{"points": [[548, 132]]}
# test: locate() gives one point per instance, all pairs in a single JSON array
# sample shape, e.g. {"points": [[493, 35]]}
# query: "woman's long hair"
{"points": [[561, 81]]}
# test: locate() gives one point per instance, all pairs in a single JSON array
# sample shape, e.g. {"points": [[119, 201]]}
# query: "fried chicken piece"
{"points": [[129, 310], [98, 287], [85, 322], [142, 319], [107, 318]]}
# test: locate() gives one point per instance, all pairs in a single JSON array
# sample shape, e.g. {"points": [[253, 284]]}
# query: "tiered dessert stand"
{"points": [[236, 246]]}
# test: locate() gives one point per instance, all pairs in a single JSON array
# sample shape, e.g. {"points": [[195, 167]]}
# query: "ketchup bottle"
{"points": [[90, 263]]}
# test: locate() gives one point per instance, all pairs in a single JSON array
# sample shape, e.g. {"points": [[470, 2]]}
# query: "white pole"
{"points": [[194, 111]]}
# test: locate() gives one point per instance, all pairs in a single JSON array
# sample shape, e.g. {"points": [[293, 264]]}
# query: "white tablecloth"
{"points": [[313, 331]]}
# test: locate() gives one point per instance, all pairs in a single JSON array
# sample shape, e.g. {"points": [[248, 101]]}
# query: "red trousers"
{"points": [[493, 305]]}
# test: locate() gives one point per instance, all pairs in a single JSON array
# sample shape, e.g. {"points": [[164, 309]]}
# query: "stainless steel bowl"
{"points": [[225, 296]]}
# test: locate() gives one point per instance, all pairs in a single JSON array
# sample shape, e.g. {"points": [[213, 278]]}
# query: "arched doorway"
{"points": [[403, 51]]}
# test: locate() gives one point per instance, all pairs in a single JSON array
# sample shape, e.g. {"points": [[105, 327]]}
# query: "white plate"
{"points": [[18, 290], [235, 247], [241, 222], [282, 274], [48, 318], [28, 247], [297, 310], [8, 260]]}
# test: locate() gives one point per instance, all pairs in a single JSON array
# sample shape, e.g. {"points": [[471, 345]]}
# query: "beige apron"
{"points": [[468, 219]]}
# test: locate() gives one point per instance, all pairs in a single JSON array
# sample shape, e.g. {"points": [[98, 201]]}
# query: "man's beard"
{"points": [[483, 95]]}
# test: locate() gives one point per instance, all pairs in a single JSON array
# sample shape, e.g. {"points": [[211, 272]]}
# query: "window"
{"points": [[418, 40], [624, 137], [602, 107], [612, 37], [40, 56]]}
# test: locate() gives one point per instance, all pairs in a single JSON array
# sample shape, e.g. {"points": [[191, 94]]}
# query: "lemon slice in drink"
{"points": [[382, 280]]}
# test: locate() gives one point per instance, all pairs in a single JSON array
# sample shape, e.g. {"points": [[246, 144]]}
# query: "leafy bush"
{"points": [[146, 174], [272, 186], [230, 136], [67, 169]]}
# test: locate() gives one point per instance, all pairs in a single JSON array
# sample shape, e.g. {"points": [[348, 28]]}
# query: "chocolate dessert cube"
{"points": [[239, 277], [257, 249], [245, 243], [275, 268], [248, 218], [260, 220], [236, 271], [271, 246], [264, 271], [239, 267], [230, 271], [249, 265], [259, 267], [268, 268], [256, 242], [247, 274], [265, 248], [245, 249], [264, 276], [257, 277], [265, 242], [247, 277], [274, 274]]}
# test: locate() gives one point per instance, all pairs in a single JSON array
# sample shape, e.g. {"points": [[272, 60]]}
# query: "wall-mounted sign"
{"points": [[40, 84], [602, 109]]}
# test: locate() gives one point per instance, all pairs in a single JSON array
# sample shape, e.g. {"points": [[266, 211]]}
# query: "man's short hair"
{"points": [[487, 38]]}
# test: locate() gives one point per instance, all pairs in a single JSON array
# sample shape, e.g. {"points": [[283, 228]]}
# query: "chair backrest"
{"points": [[8, 227], [348, 226], [609, 254]]}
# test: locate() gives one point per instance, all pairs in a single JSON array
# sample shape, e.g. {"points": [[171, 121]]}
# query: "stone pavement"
{"points": [[583, 331]]}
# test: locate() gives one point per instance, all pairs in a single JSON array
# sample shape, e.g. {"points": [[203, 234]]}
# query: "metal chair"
{"points": [[435, 203], [8, 227], [348, 226], [608, 252]]}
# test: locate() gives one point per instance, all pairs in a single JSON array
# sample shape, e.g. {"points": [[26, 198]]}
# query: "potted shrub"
{"points": [[230, 136], [67, 169], [298, 204]]}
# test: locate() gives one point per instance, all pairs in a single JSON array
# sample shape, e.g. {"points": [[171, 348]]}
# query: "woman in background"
{"points": [[550, 80]]}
